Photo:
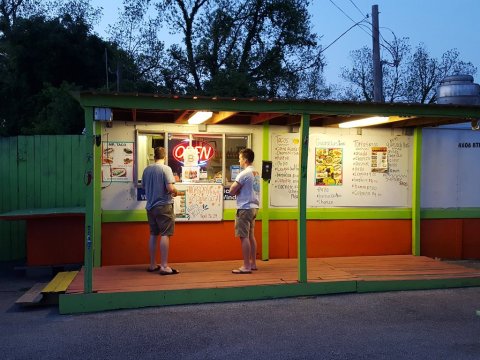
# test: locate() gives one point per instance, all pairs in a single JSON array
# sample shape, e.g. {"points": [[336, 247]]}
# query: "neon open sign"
{"points": [[204, 149]]}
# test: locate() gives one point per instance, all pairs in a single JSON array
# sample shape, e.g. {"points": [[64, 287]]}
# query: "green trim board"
{"points": [[426, 284], [94, 302], [109, 216], [158, 102], [456, 213], [280, 214], [43, 212]]}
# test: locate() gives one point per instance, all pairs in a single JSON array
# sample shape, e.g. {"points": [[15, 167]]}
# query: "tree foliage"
{"points": [[243, 48], [44, 58]]}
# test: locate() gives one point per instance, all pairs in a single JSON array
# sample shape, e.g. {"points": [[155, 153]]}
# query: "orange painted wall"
{"points": [[330, 238], [55, 240], [450, 238], [127, 243], [471, 239]]}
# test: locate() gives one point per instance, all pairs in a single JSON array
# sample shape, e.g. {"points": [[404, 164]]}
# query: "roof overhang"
{"points": [[255, 111]]}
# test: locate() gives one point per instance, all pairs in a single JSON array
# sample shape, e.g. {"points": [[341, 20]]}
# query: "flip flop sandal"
{"points": [[173, 272], [156, 268], [241, 271]]}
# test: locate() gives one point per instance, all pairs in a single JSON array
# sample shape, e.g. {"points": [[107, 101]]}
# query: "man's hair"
{"points": [[248, 154], [159, 153]]}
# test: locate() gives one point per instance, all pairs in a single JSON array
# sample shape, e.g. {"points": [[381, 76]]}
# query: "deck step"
{"points": [[33, 296], [60, 282]]}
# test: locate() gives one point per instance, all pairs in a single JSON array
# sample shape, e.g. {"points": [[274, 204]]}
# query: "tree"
{"points": [[44, 58], [360, 76], [406, 77], [424, 73], [244, 48]]}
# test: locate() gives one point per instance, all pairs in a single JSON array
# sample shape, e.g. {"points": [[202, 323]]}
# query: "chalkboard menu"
{"points": [[343, 170], [199, 202]]}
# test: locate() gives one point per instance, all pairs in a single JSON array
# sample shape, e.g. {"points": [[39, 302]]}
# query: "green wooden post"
{"points": [[89, 199], [416, 187], [302, 199], [265, 195], [97, 204]]}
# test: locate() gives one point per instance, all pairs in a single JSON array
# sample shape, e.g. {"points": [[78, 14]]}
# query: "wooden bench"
{"points": [[55, 236]]}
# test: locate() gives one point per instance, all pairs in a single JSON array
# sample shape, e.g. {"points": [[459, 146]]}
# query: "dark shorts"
{"points": [[245, 222], [161, 220]]}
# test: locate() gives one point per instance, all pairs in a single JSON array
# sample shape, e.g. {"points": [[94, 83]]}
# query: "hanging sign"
{"points": [[205, 151]]}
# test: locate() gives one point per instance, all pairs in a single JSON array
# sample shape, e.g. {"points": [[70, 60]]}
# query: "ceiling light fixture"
{"points": [[375, 120], [200, 117]]}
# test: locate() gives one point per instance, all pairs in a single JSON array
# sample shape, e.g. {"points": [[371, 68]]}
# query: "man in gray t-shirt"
{"points": [[158, 183]]}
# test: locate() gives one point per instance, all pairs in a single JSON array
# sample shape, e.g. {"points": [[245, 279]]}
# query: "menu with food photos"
{"points": [[117, 161], [344, 169]]}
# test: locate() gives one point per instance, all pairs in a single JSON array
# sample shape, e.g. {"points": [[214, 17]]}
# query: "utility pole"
{"points": [[377, 65]]}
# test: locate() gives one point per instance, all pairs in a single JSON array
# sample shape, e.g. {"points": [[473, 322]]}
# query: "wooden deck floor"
{"points": [[214, 275]]}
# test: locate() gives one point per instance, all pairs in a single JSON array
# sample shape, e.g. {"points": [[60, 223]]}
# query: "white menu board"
{"points": [[343, 170]]}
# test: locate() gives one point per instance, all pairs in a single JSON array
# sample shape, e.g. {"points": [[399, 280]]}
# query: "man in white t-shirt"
{"points": [[247, 189]]}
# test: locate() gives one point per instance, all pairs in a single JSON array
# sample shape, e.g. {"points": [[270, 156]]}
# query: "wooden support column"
{"points": [[416, 188], [265, 195], [302, 199], [89, 198]]}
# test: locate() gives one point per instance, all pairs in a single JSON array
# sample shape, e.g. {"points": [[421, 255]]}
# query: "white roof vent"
{"points": [[459, 90]]}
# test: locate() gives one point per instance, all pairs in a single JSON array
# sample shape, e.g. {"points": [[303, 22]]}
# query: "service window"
{"points": [[217, 155], [145, 144], [233, 145]]}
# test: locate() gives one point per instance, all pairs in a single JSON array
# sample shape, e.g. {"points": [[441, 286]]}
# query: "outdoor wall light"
{"points": [[200, 117]]}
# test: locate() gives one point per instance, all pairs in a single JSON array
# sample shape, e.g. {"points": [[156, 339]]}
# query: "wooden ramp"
{"points": [[132, 286], [47, 293]]}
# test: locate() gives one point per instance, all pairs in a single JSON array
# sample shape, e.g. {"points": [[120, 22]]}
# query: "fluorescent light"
{"points": [[200, 117], [375, 120]]}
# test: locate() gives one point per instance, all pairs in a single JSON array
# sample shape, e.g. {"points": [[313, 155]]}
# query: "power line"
{"points": [[360, 11], [367, 30], [338, 38], [344, 13]]}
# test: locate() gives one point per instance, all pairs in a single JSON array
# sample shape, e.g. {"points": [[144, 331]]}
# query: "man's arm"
{"points": [[172, 189], [235, 188]]}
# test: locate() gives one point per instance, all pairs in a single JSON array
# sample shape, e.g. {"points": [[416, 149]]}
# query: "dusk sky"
{"points": [[440, 24]]}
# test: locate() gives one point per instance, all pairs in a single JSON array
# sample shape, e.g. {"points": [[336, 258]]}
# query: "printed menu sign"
{"points": [[117, 161], [328, 166], [379, 159]]}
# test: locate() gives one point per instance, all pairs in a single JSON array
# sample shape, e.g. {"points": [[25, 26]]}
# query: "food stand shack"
{"points": [[335, 189]]}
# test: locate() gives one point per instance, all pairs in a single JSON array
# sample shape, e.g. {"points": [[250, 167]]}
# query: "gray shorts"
{"points": [[161, 220], [245, 222]]}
